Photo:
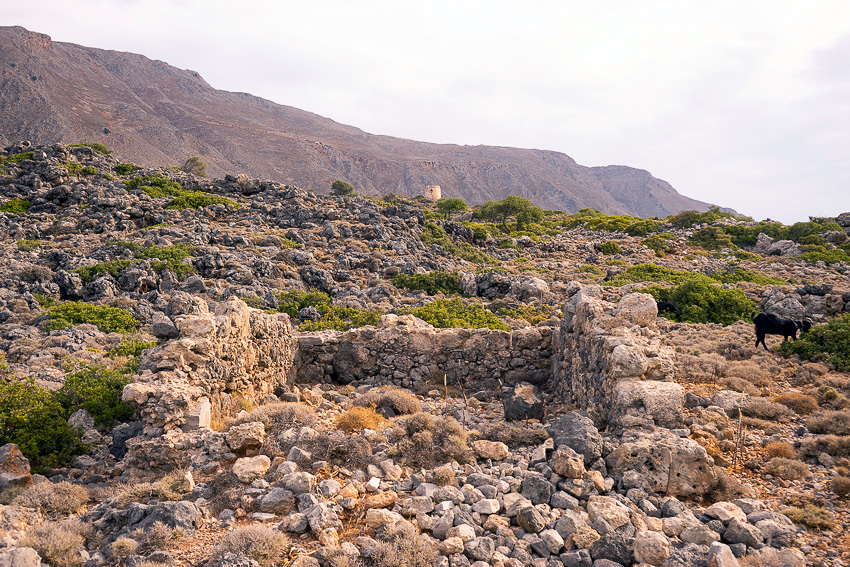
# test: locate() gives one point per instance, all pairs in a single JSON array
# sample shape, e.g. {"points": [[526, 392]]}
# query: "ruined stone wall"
{"points": [[610, 361], [406, 352], [233, 349]]}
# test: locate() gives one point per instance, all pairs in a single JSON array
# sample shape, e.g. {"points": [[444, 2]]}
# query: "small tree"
{"points": [[342, 187], [195, 165], [450, 206]]}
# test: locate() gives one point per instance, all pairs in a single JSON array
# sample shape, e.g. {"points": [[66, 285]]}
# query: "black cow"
{"points": [[666, 307], [769, 324]]}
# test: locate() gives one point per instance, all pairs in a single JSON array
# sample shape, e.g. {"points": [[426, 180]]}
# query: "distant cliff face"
{"points": [[152, 113]]}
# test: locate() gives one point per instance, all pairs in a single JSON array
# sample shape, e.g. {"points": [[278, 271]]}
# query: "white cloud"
{"points": [[741, 104]]}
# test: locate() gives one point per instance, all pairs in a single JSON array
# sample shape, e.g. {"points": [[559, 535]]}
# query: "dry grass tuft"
{"points": [[840, 485], [727, 488], [801, 403], [278, 416], [402, 544], [740, 385], [123, 547], [811, 515], [60, 498], [426, 440], [779, 449], [830, 423], [358, 418], [514, 435], [155, 536], [444, 475], [262, 544], [762, 408], [835, 445], [787, 469], [58, 544], [752, 372], [400, 401]]}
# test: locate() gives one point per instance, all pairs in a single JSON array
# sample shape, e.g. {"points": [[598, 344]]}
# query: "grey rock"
{"points": [[537, 489], [742, 532], [479, 548], [19, 557], [530, 520], [521, 402], [614, 547], [578, 433]]}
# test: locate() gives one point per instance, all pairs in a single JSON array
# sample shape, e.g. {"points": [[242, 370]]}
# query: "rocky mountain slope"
{"points": [[285, 401], [156, 114]]}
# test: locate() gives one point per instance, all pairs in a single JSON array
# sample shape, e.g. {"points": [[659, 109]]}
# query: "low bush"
{"points": [[787, 469], [107, 319], [424, 440], [514, 435], [125, 168], [123, 547], [432, 283], [341, 318], [32, 418], [444, 475], [359, 418], [643, 227], [834, 445], [279, 416], [811, 515], [434, 234], [153, 537], [131, 347], [96, 146], [77, 169], [529, 313], [60, 498], [840, 485], [658, 243], [650, 273], [711, 238], [16, 206], [688, 219], [197, 200], [779, 449], [801, 403], [399, 401], [735, 275], [97, 390], [590, 269], [291, 302], [57, 545], [90, 273], [29, 244], [15, 158], [762, 408], [610, 248], [402, 544], [454, 313], [829, 343], [699, 301], [260, 543], [830, 423]]}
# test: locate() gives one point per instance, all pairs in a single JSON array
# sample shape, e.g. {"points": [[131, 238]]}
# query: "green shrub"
{"points": [[590, 269], [735, 275], [287, 243], [197, 200], [453, 313], [107, 319], [431, 283], [811, 515], [97, 390], [195, 165], [342, 187], [687, 219], [29, 244], [610, 248], [16, 158], [815, 253], [643, 227], [97, 147], [113, 268], [700, 301], [658, 243], [829, 342], [291, 302], [448, 207], [32, 418], [711, 238], [529, 313], [650, 273], [78, 169], [16, 206], [341, 318], [132, 347], [125, 168], [434, 234]]}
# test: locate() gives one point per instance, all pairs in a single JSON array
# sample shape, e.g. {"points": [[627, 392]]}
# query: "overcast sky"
{"points": [[743, 104]]}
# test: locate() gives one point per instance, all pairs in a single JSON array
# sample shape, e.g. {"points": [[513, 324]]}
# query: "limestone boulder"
{"points": [[14, 467], [19, 557], [249, 469], [652, 548], [246, 436], [663, 402], [494, 450], [652, 455], [638, 309], [523, 401]]}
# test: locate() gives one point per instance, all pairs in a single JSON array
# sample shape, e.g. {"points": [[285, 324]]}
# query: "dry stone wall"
{"points": [[611, 363], [233, 349], [405, 351]]}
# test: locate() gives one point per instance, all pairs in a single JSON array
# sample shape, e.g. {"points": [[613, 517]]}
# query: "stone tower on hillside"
{"points": [[433, 192]]}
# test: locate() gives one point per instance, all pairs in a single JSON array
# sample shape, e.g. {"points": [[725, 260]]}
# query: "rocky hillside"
{"points": [[155, 114], [238, 372]]}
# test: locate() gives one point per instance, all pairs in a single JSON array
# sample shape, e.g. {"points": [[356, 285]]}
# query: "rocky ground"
{"points": [[385, 469]]}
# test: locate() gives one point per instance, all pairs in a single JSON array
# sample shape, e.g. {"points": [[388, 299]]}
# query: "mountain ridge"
{"points": [[153, 113]]}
